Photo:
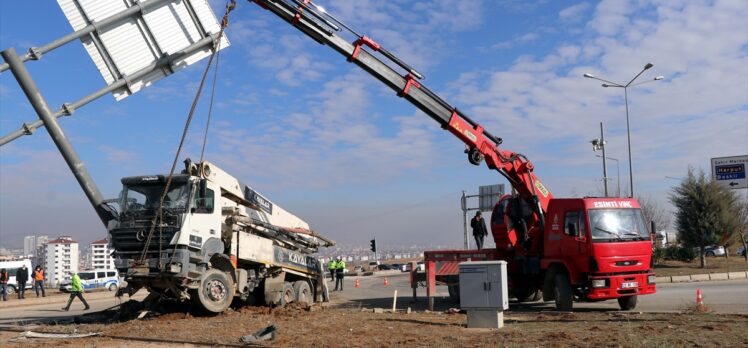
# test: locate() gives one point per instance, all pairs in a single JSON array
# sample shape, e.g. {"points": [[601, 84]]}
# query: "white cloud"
{"points": [[573, 13], [519, 40], [327, 143], [118, 156], [699, 111]]}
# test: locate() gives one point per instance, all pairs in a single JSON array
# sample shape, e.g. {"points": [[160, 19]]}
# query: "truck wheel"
{"points": [[215, 293], [288, 294], [454, 293], [564, 296], [627, 303], [303, 291]]}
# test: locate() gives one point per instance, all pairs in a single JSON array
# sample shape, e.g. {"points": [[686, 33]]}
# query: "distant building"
{"points": [[29, 245], [100, 255], [60, 259]]}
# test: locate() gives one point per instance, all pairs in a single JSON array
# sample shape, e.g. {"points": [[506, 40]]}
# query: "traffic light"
{"points": [[373, 243]]}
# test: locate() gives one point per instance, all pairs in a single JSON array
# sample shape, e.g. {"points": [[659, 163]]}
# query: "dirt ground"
{"points": [[335, 327], [718, 264]]}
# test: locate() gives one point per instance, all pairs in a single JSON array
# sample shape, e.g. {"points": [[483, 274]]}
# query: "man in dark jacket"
{"points": [[22, 276], [4, 277], [479, 229]]}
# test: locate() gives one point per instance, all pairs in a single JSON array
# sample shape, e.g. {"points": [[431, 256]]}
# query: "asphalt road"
{"points": [[49, 308], [720, 296]]}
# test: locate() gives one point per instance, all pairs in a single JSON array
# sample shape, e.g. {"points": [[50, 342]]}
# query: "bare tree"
{"points": [[653, 211]]}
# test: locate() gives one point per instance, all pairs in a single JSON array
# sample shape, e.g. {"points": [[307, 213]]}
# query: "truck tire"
{"points": [[288, 294], [215, 293], [564, 296], [627, 303], [303, 291], [454, 292]]}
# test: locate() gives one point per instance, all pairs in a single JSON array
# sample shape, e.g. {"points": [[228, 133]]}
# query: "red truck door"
{"points": [[573, 241]]}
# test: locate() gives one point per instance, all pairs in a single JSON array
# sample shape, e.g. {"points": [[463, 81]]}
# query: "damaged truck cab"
{"points": [[211, 238]]}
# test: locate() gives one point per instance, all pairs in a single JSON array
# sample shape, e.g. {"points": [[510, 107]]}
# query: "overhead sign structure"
{"points": [[730, 172], [127, 46], [489, 195]]}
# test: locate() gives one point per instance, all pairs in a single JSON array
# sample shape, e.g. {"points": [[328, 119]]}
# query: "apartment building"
{"points": [[60, 259], [100, 255]]}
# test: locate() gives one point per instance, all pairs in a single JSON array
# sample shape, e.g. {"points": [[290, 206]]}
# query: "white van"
{"points": [[12, 267], [98, 278]]}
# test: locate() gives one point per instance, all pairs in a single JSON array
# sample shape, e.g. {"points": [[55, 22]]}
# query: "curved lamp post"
{"points": [[626, 98]]}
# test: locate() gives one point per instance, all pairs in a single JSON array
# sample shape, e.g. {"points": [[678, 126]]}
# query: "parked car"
{"points": [[714, 250], [384, 267], [358, 269], [741, 251], [12, 267], [107, 279]]}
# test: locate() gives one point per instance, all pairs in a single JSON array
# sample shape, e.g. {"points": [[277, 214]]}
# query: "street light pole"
{"points": [[618, 175], [626, 100], [599, 144]]}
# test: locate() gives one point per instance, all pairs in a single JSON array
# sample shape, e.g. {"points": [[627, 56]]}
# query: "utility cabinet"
{"points": [[484, 293]]}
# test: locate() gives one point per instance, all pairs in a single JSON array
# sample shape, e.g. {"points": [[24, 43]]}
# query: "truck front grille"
{"points": [[131, 236]]}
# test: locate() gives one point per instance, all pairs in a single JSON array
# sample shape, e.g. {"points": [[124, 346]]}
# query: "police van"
{"points": [[12, 267], [96, 279]]}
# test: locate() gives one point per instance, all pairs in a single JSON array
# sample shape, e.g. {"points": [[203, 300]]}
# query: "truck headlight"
{"points": [[651, 279], [598, 283], [175, 267]]}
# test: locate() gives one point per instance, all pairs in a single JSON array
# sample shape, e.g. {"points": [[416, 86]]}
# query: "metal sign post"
{"points": [[129, 54], [487, 197]]}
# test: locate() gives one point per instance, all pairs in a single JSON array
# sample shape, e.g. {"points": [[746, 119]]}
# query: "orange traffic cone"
{"points": [[699, 301], [386, 282], [358, 284]]}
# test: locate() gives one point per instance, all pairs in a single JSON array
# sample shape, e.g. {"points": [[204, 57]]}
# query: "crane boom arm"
{"points": [[313, 21]]}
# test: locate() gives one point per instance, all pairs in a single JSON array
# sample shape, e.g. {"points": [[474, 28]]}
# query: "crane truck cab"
{"points": [[596, 249]]}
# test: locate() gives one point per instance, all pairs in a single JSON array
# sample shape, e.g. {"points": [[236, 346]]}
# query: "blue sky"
{"points": [[325, 140]]}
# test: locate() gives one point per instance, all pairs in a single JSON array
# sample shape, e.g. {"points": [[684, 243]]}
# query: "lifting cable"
{"points": [[159, 215]]}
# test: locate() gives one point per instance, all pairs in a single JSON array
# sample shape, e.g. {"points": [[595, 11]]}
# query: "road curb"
{"points": [[702, 277]]}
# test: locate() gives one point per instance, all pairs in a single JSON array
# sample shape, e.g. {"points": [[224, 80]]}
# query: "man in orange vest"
{"points": [[39, 280]]}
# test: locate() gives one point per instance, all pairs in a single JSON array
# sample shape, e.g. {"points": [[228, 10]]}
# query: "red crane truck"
{"points": [[565, 249]]}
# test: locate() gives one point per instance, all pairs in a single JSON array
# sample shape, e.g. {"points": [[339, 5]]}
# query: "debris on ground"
{"points": [[32, 334], [266, 334]]}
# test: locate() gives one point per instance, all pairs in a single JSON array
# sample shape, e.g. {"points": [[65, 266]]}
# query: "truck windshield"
{"points": [[137, 198], [617, 224]]}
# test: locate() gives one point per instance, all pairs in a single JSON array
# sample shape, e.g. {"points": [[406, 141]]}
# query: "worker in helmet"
{"points": [[339, 273]]}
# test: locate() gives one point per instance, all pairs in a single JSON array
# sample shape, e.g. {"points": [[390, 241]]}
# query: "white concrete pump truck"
{"points": [[213, 238], [199, 235]]}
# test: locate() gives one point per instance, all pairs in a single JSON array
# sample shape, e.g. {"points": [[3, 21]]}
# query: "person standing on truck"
{"points": [[339, 273], [22, 276], [4, 277], [39, 280], [331, 266], [76, 291], [479, 229]]}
